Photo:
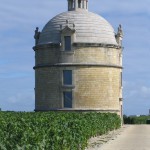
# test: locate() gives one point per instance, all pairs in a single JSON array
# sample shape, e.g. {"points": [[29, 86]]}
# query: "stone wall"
{"points": [[47, 88], [96, 78], [97, 87], [97, 55]]}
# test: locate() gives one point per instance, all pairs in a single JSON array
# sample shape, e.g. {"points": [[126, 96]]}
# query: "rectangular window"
{"points": [[67, 43], [73, 5], [79, 3], [67, 99], [67, 77], [82, 4], [86, 5]]}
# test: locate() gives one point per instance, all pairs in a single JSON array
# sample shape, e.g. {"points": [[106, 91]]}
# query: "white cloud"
{"points": [[18, 13], [21, 101], [136, 97], [145, 92], [120, 6], [136, 89], [18, 97], [17, 93], [18, 21]]}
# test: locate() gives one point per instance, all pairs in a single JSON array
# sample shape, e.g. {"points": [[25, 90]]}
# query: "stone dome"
{"points": [[90, 28]]}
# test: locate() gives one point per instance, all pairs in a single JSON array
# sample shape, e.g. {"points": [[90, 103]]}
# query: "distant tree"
{"points": [[136, 119]]}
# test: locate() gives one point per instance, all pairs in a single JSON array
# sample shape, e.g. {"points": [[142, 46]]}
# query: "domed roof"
{"points": [[90, 28]]}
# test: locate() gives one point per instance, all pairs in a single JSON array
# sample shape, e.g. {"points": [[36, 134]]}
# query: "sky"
{"points": [[18, 20]]}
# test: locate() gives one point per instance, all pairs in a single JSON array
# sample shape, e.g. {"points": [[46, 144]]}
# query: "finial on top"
{"points": [[120, 30], [37, 35], [67, 21], [119, 35], [74, 25]]}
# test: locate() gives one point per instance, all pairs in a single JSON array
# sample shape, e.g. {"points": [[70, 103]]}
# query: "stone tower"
{"points": [[78, 62]]}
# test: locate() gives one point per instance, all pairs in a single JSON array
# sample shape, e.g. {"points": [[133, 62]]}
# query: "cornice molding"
{"points": [[76, 65], [58, 45]]}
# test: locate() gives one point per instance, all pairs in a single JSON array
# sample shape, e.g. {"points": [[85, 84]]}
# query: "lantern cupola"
{"points": [[74, 5]]}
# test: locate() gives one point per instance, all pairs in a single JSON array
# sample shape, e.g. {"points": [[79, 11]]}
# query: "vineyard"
{"points": [[51, 130]]}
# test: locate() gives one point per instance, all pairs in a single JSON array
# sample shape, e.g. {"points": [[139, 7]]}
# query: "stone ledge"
{"points": [[66, 87], [96, 45], [77, 64], [58, 45], [44, 46], [67, 52], [82, 110]]}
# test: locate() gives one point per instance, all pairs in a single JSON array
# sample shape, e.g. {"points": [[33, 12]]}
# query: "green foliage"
{"points": [[148, 121], [52, 131], [136, 119]]}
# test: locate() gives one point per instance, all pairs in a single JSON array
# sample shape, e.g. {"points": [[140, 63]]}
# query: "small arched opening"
{"points": [[79, 3], [71, 4]]}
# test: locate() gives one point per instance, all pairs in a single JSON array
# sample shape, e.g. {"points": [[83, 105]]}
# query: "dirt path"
{"points": [[133, 137]]}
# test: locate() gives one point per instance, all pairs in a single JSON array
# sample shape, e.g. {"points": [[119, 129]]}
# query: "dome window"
{"points": [[67, 36], [67, 43]]}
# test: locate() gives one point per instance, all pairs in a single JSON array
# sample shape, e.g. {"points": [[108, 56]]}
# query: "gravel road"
{"points": [[131, 137]]}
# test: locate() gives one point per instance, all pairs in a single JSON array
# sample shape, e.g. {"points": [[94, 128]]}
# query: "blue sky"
{"points": [[18, 20]]}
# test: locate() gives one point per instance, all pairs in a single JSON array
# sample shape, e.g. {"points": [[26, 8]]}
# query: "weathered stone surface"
{"points": [[95, 87]]}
